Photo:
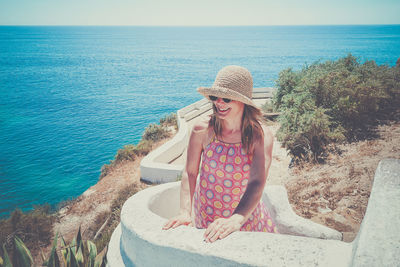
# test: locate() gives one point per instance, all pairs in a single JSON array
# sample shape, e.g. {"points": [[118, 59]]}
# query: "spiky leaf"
{"points": [[65, 252], [79, 257], [79, 239], [73, 246], [73, 261], [22, 253], [92, 253], [101, 258], [54, 261], [6, 260], [43, 257]]}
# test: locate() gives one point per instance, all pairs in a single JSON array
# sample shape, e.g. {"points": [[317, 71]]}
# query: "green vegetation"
{"points": [[76, 254], [268, 107], [333, 101], [153, 133], [170, 120]]}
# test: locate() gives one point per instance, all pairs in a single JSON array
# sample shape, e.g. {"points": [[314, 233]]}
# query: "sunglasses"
{"points": [[214, 98]]}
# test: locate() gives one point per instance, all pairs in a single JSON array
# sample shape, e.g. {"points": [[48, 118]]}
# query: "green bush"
{"points": [[143, 147], [333, 101], [170, 120], [155, 132], [126, 153], [268, 107]]}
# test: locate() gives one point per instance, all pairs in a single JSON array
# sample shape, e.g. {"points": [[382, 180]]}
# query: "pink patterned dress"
{"points": [[224, 175]]}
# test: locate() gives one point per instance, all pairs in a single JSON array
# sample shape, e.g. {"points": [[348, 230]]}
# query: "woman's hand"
{"points": [[222, 227], [181, 219]]}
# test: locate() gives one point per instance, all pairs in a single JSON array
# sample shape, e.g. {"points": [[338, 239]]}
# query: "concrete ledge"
{"points": [[378, 240], [114, 257], [143, 243]]}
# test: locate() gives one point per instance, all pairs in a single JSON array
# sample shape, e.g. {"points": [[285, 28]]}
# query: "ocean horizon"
{"points": [[71, 96]]}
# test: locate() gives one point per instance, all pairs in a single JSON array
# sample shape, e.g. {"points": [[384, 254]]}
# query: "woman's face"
{"points": [[231, 110]]}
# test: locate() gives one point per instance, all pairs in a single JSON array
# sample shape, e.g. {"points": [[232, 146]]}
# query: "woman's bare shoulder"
{"points": [[200, 127], [202, 131], [265, 142], [268, 135], [268, 139]]}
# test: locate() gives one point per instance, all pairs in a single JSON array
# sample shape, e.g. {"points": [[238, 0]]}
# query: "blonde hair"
{"points": [[251, 128]]}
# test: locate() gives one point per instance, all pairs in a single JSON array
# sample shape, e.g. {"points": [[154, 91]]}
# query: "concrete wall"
{"points": [[378, 240], [139, 240]]}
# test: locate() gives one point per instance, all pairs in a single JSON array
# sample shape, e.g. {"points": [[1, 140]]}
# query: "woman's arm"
{"points": [[262, 157], [189, 176]]}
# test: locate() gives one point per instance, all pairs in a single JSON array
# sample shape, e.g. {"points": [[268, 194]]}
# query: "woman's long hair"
{"points": [[251, 126]]}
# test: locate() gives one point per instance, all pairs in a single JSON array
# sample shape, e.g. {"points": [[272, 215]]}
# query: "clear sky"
{"points": [[198, 12]]}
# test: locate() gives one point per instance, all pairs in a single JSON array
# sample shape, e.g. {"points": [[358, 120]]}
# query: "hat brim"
{"points": [[225, 93]]}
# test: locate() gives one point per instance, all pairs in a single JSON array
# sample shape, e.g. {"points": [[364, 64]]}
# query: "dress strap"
{"points": [[212, 140], [214, 137]]}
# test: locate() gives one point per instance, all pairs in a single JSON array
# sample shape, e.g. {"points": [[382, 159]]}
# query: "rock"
{"points": [[339, 218], [324, 210]]}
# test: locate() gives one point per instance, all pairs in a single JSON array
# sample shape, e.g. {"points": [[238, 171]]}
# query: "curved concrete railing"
{"points": [[139, 240], [156, 167]]}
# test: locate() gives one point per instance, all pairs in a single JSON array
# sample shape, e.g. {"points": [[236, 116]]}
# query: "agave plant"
{"points": [[76, 254], [6, 262], [21, 256]]}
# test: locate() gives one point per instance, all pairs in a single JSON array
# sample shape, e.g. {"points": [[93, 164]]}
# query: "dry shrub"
{"points": [[33, 227], [110, 220]]}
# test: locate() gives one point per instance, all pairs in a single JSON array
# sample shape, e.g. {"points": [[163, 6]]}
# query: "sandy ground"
{"points": [[334, 194]]}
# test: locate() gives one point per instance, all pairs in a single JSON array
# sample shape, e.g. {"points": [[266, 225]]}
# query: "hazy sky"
{"points": [[199, 12]]}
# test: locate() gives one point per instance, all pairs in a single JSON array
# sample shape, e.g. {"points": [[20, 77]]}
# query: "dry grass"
{"points": [[336, 193]]}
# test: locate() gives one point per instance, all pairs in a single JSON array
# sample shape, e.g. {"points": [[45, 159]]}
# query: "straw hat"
{"points": [[233, 82]]}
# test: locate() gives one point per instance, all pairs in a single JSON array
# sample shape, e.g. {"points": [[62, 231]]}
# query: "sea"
{"points": [[71, 96]]}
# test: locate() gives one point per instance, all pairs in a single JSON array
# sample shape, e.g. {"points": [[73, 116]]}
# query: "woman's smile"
{"points": [[223, 111]]}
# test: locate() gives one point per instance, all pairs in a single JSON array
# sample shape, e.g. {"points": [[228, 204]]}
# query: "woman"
{"points": [[235, 152]]}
